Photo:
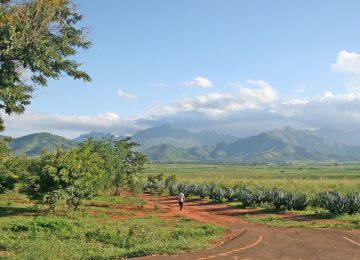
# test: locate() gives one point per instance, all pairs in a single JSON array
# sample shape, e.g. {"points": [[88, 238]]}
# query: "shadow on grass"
{"points": [[6, 211]]}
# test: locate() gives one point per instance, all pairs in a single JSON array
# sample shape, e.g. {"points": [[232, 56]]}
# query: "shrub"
{"points": [[73, 175]]}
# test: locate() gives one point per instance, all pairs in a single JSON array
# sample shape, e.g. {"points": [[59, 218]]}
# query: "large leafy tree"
{"points": [[123, 162], [73, 175], [38, 39]]}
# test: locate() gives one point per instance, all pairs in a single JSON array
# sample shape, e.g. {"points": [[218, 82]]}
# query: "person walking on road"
{"points": [[181, 198]]}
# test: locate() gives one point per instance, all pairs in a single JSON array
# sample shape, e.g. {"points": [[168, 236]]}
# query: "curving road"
{"points": [[250, 241]]}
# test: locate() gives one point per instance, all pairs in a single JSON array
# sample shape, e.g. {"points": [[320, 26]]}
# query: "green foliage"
{"points": [[245, 197], [156, 184], [294, 201], [122, 162], [278, 221], [38, 37], [11, 169], [73, 175], [81, 235], [338, 203], [309, 179], [218, 194]]}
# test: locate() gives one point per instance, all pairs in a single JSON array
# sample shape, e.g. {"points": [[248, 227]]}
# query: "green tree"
{"points": [[7, 181], [130, 163], [73, 175], [12, 171], [37, 40], [122, 162]]}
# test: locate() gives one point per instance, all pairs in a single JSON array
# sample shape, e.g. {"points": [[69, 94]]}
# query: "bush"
{"points": [[72, 175]]}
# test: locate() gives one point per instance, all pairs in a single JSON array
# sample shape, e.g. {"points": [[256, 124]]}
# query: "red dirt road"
{"points": [[251, 241]]}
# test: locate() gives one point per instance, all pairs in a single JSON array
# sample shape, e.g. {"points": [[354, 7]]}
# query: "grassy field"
{"points": [[107, 227], [302, 178], [315, 220]]}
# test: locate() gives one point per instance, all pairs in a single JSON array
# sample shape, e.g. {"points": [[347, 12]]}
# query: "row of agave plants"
{"points": [[334, 202]]}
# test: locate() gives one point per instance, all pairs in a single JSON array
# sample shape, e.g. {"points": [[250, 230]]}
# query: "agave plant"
{"points": [[296, 201], [229, 193], [245, 196], [184, 188], [192, 189], [275, 197], [334, 202], [353, 201], [258, 197], [173, 188], [218, 194], [203, 191]]}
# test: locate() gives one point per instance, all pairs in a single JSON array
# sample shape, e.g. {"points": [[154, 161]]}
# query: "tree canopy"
{"points": [[38, 40]]}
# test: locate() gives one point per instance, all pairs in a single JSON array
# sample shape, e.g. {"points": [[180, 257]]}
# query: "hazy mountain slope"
{"points": [[286, 144], [349, 138], [180, 138], [31, 145], [169, 153], [96, 136]]}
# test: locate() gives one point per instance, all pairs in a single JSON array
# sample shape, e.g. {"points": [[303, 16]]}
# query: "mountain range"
{"points": [[167, 144]]}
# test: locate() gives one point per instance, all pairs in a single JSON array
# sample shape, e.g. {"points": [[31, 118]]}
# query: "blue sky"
{"points": [[238, 67]]}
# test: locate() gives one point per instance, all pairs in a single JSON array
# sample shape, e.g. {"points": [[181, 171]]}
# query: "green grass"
{"points": [[301, 178], [339, 222], [26, 232]]}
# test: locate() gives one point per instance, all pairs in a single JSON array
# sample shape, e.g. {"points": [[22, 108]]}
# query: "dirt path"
{"points": [[251, 241]]}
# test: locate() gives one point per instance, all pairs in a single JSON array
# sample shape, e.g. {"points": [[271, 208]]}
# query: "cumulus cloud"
{"points": [[348, 62], [258, 95], [201, 82], [126, 95], [251, 108]]}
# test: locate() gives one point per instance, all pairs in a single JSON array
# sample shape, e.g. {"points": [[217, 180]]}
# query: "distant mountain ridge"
{"points": [[280, 145], [96, 136], [31, 145], [167, 144], [349, 138], [179, 138]]}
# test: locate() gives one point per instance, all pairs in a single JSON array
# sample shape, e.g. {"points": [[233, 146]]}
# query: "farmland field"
{"points": [[302, 178]]}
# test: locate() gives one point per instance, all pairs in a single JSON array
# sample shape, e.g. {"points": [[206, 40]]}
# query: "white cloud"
{"points": [[201, 82], [348, 62], [126, 95], [69, 126], [252, 108], [258, 95]]}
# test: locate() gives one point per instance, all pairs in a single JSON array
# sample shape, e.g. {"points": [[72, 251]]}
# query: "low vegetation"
{"points": [[304, 178], [104, 228], [334, 202]]}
